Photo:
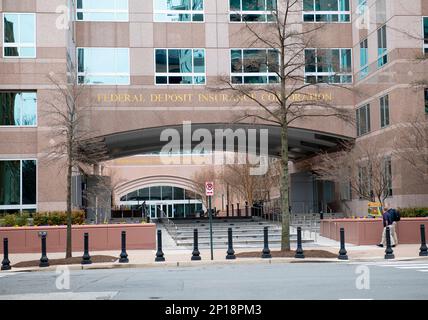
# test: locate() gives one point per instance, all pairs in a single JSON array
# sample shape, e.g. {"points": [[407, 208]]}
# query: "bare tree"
{"points": [[199, 178], [73, 144], [411, 145], [364, 167], [285, 39]]}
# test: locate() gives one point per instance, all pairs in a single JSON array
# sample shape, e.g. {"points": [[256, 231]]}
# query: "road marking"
{"points": [[356, 299], [107, 295], [2, 275], [421, 267], [423, 270]]}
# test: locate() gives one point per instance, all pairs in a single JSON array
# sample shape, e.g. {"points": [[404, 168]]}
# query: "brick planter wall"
{"points": [[369, 231], [101, 237]]}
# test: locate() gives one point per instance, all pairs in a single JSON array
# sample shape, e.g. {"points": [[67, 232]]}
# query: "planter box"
{"points": [[101, 237], [369, 231]]}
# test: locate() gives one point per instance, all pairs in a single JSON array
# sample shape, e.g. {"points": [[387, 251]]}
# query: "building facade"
{"points": [[152, 65]]}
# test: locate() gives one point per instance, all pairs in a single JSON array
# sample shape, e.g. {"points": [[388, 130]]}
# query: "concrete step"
{"points": [[252, 242]]}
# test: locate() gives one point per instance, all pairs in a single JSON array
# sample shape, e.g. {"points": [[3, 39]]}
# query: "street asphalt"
{"points": [[381, 280]]}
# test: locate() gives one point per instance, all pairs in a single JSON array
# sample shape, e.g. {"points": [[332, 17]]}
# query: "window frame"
{"points": [[384, 111], [79, 74], [364, 69], [244, 74], [248, 12], [338, 13], [382, 59], [368, 120], [387, 163], [424, 36], [115, 11], [20, 45], [20, 116], [22, 207], [190, 12], [327, 74], [169, 74]]}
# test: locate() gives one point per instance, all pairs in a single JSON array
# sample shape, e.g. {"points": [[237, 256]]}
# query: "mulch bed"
{"points": [[288, 254], [59, 262]]}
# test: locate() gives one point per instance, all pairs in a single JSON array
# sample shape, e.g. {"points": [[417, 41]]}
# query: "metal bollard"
{"points": [[423, 250], [86, 259], [342, 251], [389, 253], [299, 251], [123, 254], [159, 254], [246, 209], [238, 211], [44, 261], [5, 264], [230, 251], [195, 254], [232, 209], [266, 251], [227, 210]]}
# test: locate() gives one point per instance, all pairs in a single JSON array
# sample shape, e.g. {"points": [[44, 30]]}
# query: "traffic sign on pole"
{"points": [[209, 188], [209, 192]]}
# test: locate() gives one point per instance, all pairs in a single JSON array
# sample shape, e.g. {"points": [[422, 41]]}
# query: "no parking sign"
{"points": [[209, 188]]}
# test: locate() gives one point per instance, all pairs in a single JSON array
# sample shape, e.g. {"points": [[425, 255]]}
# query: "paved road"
{"points": [[232, 281]]}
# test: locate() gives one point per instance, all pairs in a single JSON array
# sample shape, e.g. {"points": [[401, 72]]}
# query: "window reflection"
{"points": [[18, 108]]}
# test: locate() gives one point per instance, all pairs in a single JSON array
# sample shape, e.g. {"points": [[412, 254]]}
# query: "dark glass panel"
{"points": [[29, 186]]}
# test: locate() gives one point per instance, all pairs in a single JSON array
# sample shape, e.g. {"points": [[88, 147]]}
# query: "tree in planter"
{"points": [[284, 61], [72, 144], [363, 167]]}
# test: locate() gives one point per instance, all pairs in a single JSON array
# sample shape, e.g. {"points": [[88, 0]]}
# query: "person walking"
{"points": [[389, 220]]}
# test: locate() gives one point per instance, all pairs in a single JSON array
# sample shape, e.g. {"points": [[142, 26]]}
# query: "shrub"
{"points": [[58, 218], [40, 219], [22, 219], [413, 212], [9, 220]]}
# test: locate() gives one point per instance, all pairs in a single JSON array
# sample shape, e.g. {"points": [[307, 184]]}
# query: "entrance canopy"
{"points": [[302, 142]]}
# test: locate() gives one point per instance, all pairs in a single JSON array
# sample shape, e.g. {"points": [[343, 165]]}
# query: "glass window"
{"points": [[326, 11], [155, 193], [178, 193], [364, 58], [106, 10], [363, 120], [180, 66], [103, 66], [166, 193], [18, 184], [388, 175], [426, 101], [18, 109], [425, 21], [19, 35], [252, 10], [382, 47], [178, 10], [254, 66], [384, 111], [328, 66]]}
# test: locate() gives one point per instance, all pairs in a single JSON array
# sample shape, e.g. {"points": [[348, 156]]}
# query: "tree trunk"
{"points": [[68, 253], [285, 201]]}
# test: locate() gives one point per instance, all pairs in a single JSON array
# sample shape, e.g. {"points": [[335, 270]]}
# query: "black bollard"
{"points": [[423, 250], [227, 210], [123, 254], [44, 261], [299, 251], [266, 251], [86, 259], [195, 254], [389, 253], [5, 264], [159, 253], [238, 211], [342, 251], [230, 251], [232, 209]]}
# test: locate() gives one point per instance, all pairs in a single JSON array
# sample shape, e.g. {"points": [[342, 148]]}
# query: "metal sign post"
{"points": [[209, 192]]}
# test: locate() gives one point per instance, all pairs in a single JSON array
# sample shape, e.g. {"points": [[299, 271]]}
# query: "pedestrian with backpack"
{"points": [[390, 218]]}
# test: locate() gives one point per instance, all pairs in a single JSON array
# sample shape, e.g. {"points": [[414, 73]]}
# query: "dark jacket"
{"points": [[387, 218]]}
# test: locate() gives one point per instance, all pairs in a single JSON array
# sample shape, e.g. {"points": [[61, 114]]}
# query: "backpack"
{"points": [[395, 215]]}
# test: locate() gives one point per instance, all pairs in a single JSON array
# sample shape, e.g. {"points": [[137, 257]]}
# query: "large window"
{"points": [[328, 66], [180, 66], [363, 120], [103, 66], [18, 108], [18, 185], [388, 175], [382, 47], [384, 111], [254, 66], [426, 100], [19, 35], [105, 10], [364, 59], [326, 11], [178, 10], [252, 10], [425, 23]]}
